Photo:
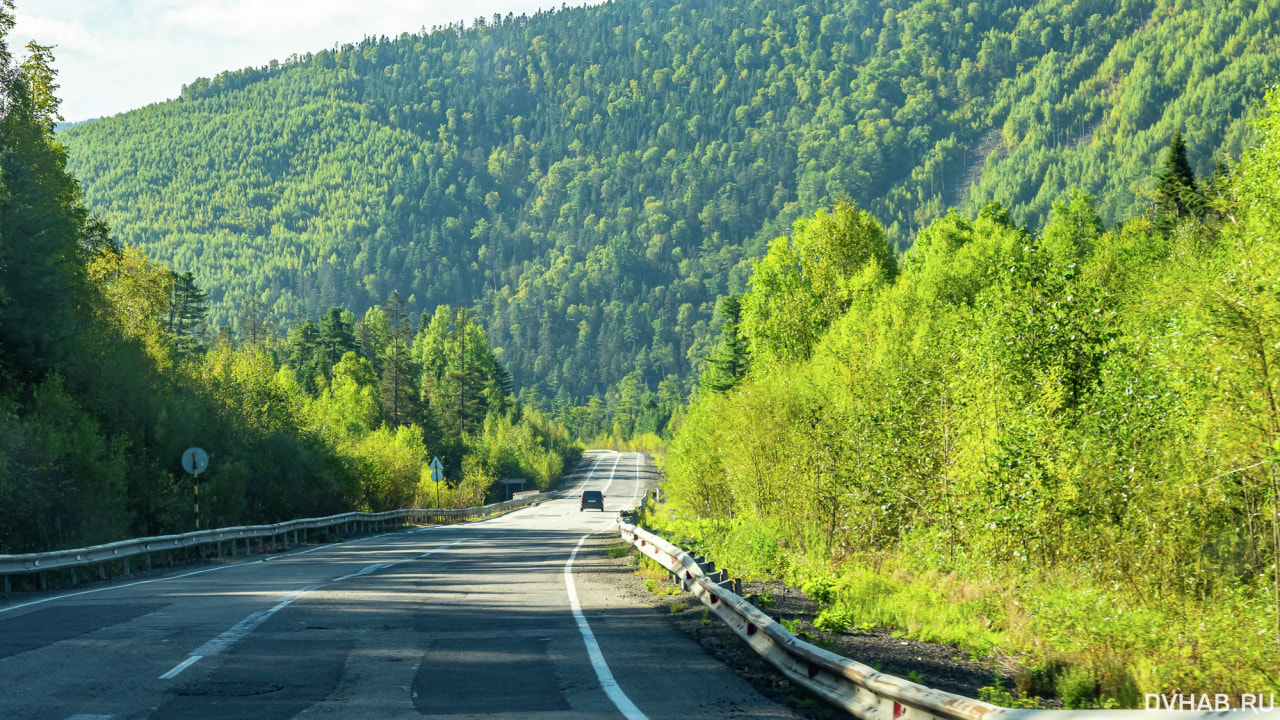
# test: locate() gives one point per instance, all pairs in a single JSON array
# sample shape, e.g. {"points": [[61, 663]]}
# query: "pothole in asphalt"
{"points": [[231, 689]]}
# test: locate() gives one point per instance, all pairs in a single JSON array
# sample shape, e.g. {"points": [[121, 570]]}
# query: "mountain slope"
{"points": [[591, 180]]}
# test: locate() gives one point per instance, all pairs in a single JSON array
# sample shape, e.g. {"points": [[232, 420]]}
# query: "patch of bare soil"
{"points": [[941, 667]]}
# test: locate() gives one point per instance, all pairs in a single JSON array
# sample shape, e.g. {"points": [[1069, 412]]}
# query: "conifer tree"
{"points": [[727, 364], [398, 392], [1176, 190], [337, 336], [187, 308]]}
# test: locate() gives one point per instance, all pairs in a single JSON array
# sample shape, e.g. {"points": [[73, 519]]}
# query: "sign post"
{"points": [[437, 475], [508, 486], [195, 461]]}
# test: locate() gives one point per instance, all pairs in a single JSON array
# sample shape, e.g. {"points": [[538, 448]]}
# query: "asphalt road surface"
{"points": [[506, 617]]}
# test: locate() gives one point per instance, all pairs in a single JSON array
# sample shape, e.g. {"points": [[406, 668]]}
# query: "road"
{"points": [[508, 617]]}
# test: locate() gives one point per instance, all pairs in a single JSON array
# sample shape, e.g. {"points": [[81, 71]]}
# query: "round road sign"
{"points": [[195, 460]]}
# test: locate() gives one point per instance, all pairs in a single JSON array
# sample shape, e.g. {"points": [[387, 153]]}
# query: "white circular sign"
{"points": [[195, 460]]}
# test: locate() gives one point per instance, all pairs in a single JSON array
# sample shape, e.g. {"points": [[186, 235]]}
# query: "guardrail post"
{"points": [[170, 554], [148, 555], [102, 571], [8, 587], [261, 540], [127, 571], [74, 579], [44, 585]]}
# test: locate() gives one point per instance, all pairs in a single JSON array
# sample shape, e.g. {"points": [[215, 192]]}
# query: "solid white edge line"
{"points": [[607, 683]]}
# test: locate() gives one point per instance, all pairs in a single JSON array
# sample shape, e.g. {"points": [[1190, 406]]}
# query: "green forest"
{"points": [[588, 182], [1056, 443], [108, 372]]}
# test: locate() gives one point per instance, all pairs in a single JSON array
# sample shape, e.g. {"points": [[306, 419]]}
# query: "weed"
{"points": [[677, 607], [997, 695], [792, 625], [765, 600], [837, 619], [822, 641], [915, 677], [706, 616], [1078, 688], [620, 549], [659, 588], [822, 590], [647, 568], [802, 701]]}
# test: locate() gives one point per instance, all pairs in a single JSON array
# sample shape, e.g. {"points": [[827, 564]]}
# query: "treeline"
{"points": [[1060, 442], [108, 371], [589, 181]]}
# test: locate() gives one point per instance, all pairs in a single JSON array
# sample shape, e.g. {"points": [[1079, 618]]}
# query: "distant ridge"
{"points": [[60, 127]]}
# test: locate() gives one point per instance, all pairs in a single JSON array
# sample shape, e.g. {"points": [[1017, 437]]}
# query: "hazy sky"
{"points": [[116, 55]]}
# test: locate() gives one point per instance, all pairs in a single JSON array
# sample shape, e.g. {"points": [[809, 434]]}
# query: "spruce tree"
{"points": [[188, 305], [1176, 190], [727, 364]]}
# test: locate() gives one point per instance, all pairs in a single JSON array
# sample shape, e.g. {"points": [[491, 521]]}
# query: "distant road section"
{"points": [[502, 618]]}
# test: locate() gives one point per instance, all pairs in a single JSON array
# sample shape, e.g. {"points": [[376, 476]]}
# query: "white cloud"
{"points": [[116, 55]]}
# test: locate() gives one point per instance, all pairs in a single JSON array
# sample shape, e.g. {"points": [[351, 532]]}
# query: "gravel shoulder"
{"points": [[941, 667]]}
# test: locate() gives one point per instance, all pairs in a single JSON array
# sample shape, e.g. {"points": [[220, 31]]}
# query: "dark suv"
{"points": [[592, 498]]}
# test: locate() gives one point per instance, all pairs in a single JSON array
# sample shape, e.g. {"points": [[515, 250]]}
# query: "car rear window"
{"points": [[592, 495]]}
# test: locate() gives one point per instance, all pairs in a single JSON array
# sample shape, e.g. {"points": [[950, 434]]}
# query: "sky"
{"points": [[117, 55]]}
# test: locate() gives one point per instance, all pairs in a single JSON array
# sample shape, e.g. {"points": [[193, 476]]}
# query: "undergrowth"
{"points": [[1073, 639]]}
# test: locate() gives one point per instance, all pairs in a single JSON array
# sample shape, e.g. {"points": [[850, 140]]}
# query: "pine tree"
{"points": [[465, 378], [251, 325], [305, 356], [727, 364], [337, 337], [1176, 190], [399, 395], [188, 305]]}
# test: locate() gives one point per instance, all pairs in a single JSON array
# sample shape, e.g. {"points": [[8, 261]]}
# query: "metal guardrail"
{"points": [[126, 549], [862, 690]]}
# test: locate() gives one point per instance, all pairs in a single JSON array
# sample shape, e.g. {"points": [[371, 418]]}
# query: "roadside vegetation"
{"points": [[1056, 446]]}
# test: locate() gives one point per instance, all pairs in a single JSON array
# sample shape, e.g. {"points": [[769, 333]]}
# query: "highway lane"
{"points": [[468, 620]]}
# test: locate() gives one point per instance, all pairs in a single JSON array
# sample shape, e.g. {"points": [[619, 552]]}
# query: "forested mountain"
{"points": [[590, 180]]}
